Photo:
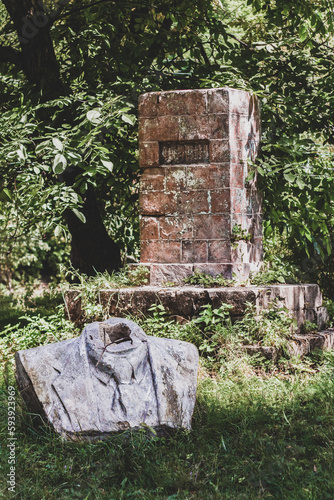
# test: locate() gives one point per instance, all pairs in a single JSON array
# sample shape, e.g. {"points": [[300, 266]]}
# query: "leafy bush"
{"points": [[207, 281], [34, 331]]}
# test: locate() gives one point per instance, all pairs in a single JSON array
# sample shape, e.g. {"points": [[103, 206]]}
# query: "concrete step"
{"points": [[304, 302], [299, 345]]}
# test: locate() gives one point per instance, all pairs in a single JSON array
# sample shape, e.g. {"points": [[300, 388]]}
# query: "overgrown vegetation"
{"points": [[260, 430], [69, 120]]}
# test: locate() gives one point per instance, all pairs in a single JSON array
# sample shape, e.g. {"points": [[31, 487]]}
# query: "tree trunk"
{"points": [[92, 249], [32, 23]]}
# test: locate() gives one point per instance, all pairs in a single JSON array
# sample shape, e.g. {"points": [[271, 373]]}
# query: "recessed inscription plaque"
{"points": [[186, 152]]}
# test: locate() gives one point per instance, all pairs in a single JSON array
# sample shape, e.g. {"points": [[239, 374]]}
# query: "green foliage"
{"points": [[250, 429], [38, 330], [239, 234], [220, 341], [88, 289], [207, 281]]}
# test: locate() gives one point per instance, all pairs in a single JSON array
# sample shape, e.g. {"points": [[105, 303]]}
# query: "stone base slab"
{"points": [[161, 274], [304, 302], [299, 345]]}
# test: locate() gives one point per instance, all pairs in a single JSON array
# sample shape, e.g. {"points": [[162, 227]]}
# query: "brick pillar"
{"points": [[194, 146]]}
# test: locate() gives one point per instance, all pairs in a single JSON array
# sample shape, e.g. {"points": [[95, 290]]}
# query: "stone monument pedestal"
{"points": [[197, 212]]}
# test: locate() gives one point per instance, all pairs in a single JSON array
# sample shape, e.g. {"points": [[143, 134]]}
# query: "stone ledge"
{"points": [[299, 345], [187, 301], [175, 273]]}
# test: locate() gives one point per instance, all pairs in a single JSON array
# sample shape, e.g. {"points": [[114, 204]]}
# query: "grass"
{"points": [[256, 434]]}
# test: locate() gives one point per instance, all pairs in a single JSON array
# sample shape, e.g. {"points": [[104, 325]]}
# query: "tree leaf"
{"points": [[80, 215], [108, 164], [59, 164], [94, 116], [289, 177], [131, 119], [22, 153], [57, 144]]}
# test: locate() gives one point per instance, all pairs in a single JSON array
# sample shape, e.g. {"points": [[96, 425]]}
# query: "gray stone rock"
{"points": [[113, 377]]}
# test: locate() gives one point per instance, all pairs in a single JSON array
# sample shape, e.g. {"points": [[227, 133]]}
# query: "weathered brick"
{"points": [[211, 227], [194, 251], [214, 269], [219, 126], [218, 101], [152, 179], [219, 251], [241, 102], [167, 129], [219, 201], [242, 150], [149, 228], [148, 129], [176, 228], [208, 177], [175, 273], [194, 102], [238, 200], [160, 251], [238, 172], [169, 103], [182, 103], [242, 252], [148, 154], [147, 104], [193, 202], [176, 178], [219, 151], [244, 129], [254, 201], [158, 203], [193, 128]]}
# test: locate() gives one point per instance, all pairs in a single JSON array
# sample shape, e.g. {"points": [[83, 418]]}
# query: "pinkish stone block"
{"points": [[176, 178], [192, 128], [211, 227], [164, 252], [219, 151], [214, 269], [242, 102], [219, 251], [147, 129], [208, 177], [220, 201], [152, 179], [182, 103], [194, 251], [238, 175], [175, 228], [164, 273], [218, 101], [149, 154], [167, 129], [194, 202], [158, 203], [219, 126], [149, 228], [148, 104], [238, 201]]}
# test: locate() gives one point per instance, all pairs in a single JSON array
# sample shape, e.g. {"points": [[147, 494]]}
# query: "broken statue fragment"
{"points": [[111, 378]]}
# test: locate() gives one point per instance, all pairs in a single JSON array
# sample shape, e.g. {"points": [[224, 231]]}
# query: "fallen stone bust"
{"points": [[111, 378]]}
